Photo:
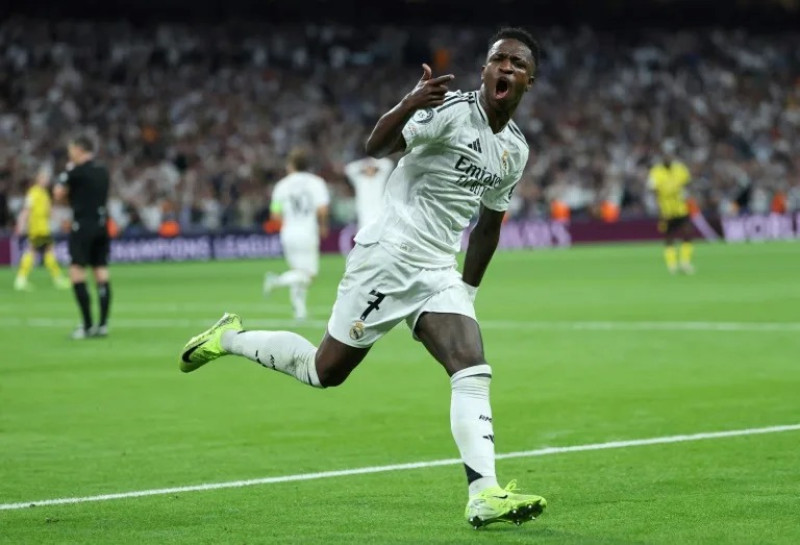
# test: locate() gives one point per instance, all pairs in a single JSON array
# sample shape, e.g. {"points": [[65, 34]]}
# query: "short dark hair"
{"points": [[521, 35], [83, 141], [298, 158]]}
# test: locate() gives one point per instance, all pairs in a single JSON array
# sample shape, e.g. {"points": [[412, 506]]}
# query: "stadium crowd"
{"points": [[195, 121]]}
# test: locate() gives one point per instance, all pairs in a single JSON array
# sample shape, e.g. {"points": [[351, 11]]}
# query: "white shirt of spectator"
{"points": [[300, 194], [454, 163], [369, 187]]}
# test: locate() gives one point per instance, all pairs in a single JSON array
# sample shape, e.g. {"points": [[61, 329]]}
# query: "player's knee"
{"points": [[459, 359], [77, 274], [331, 381], [330, 374], [329, 378]]}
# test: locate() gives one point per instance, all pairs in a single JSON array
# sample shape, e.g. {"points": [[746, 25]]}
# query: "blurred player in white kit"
{"points": [[300, 202], [368, 177]]}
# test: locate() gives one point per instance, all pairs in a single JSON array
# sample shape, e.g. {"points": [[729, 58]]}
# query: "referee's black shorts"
{"points": [[89, 247]]}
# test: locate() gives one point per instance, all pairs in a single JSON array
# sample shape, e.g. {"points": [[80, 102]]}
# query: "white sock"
{"points": [[292, 278], [297, 296], [283, 351], [471, 424]]}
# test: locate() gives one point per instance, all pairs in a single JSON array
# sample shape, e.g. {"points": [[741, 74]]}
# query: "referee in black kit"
{"points": [[85, 184]]}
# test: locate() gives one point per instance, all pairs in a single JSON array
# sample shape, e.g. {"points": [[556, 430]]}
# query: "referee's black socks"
{"points": [[104, 295], [82, 296]]}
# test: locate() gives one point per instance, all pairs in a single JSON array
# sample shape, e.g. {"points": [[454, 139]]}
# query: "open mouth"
{"points": [[501, 89]]}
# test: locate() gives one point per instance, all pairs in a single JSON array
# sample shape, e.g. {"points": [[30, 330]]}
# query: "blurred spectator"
{"points": [[195, 121]]}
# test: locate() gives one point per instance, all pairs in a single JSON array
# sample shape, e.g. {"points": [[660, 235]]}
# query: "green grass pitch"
{"points": [[588, 345]]}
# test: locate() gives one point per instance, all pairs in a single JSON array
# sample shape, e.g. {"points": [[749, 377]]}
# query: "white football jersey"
{"points": [[369, 189], [297, 197], [454, 163]]}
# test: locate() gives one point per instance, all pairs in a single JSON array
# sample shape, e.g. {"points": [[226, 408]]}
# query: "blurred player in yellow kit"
{"points": [[34, 220], [668, 179]]}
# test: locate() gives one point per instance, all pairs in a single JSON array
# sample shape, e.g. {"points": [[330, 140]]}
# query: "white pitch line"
{"points": [[148, 323], [266, 308], [643, 326], [401, 467], [156, 323]]}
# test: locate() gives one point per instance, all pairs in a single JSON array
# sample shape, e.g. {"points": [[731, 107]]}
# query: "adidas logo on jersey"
{"points": [[476, 145]]}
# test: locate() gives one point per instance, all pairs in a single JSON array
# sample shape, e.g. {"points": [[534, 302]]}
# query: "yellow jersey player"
{"points": [[668, 179], [34, 220]]}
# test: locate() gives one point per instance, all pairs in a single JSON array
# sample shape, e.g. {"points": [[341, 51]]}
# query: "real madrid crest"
{"points": [[357, 330], [504, 162]]}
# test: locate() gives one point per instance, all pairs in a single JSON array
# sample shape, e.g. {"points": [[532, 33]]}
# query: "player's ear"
{"points": [[483, 71]]}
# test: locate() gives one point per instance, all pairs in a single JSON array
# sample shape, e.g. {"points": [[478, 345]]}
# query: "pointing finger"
{"points": [[441, 79]]}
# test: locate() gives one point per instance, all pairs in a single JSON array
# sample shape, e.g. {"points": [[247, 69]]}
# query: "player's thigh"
{"points": [[335, 360], [446, 322], [375, 294], [368, 305], [454, 340], [32, 246]]}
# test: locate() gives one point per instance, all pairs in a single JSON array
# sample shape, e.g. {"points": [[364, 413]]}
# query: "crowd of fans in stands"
{"points": [[195, 121]]}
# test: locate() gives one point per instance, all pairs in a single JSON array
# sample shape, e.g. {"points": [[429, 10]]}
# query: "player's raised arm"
{"points": [[387, 136]]}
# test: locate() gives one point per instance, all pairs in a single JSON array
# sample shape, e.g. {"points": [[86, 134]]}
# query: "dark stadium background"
{"points": [[608, 13], [621, 22]]}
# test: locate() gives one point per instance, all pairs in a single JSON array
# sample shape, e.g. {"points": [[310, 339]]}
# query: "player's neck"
{"points": [[498, 119]]}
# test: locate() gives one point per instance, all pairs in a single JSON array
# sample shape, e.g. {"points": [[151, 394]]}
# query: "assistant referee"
{"points": [[85, 184]]}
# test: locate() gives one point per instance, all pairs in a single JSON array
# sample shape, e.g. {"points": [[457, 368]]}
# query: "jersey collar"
{"points": [[479, 108], [485, 117]]}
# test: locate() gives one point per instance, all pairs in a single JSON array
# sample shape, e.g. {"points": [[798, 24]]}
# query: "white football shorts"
{"points": [[301, 252], [378, 291]]}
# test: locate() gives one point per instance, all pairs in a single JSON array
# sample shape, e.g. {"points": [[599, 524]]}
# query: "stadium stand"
{"points": [[195, 120]]}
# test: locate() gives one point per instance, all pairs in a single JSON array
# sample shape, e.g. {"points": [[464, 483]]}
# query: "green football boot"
{"points": [[207, 346], [22, 284], [503, 505], [62, 283]]}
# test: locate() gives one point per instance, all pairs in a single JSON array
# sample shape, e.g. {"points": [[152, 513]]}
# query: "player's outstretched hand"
{"points": [[429, 91]]}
